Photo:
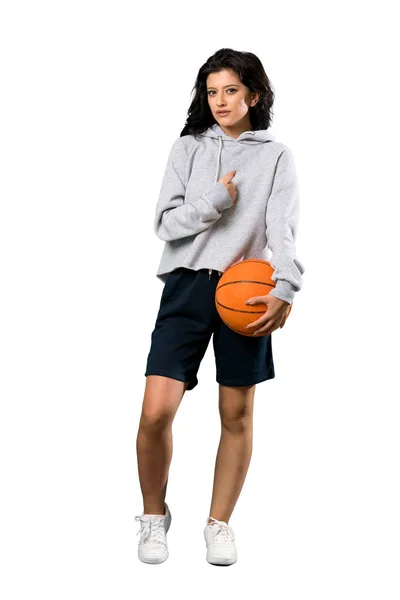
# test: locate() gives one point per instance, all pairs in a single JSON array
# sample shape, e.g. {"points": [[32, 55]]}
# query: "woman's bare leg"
{"points": [[235, 448], [162, 398]]}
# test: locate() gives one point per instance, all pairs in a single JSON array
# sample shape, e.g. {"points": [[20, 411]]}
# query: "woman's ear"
{"points": [[255, 99]]}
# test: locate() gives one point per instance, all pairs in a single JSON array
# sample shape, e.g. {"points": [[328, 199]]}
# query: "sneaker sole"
{"points": [[154, 561], [221, 561]]}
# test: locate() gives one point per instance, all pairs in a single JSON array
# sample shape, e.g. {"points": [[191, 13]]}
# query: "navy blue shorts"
{"points": [[187, 319]]}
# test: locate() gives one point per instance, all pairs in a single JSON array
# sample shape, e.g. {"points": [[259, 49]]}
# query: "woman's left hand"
{"points": [[275, 316]]}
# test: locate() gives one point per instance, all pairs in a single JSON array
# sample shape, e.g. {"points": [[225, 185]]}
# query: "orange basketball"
{"points": [[241, 281]]}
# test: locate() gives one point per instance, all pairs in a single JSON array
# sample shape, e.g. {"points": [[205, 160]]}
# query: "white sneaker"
{"points": [[153, 539], [220, 540]]}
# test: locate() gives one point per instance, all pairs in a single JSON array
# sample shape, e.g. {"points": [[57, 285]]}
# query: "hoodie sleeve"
{"points": [[175, 219], [282, 219]]}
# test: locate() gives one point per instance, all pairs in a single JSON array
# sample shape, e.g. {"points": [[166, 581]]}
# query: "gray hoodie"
{"points": [[201, 228]]}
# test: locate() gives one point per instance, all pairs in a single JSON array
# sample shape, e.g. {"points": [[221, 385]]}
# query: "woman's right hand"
{"points": [[230, 186]]}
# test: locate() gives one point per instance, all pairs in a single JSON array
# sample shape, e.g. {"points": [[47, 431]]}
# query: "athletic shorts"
{"points": [[186, 321]]}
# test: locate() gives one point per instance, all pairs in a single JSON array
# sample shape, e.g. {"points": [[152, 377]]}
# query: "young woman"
{"points": [[229, 192]]}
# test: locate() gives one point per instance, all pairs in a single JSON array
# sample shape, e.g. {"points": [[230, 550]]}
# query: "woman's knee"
{"points": [[236, 407], [162, 398]]}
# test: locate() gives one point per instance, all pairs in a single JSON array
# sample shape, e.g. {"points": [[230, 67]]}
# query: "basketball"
{"points": [[241, 281]]}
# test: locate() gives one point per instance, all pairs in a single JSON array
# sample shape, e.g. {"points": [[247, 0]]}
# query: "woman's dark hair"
{"points": [[250, 71]]}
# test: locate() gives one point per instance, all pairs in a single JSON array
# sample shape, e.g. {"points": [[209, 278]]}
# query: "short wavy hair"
{"points": [[251, 73]]}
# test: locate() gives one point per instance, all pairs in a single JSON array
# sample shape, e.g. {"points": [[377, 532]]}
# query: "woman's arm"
{"points": [[175, 219], [282, 219]]}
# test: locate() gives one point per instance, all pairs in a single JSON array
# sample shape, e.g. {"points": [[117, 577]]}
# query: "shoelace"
{"points": [[221, 532], [152, 530]]}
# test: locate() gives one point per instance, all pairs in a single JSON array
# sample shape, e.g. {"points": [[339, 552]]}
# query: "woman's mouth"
{"points": [[224, 113]]}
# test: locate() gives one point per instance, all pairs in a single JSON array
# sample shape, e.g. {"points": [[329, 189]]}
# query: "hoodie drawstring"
{"points": [[216, 179], [218, 158]]}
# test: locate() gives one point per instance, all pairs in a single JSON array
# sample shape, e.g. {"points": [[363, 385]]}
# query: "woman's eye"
{"points": [[229, 90]]}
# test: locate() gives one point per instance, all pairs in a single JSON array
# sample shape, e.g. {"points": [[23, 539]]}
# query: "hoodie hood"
{"points": [[259, 136], [253, 137]]}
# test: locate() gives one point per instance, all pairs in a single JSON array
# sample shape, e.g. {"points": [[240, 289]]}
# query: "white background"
{"points": [[93, 96]]}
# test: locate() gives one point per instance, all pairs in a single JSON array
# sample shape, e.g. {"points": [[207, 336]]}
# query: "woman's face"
{"points": [[225, 91]]}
